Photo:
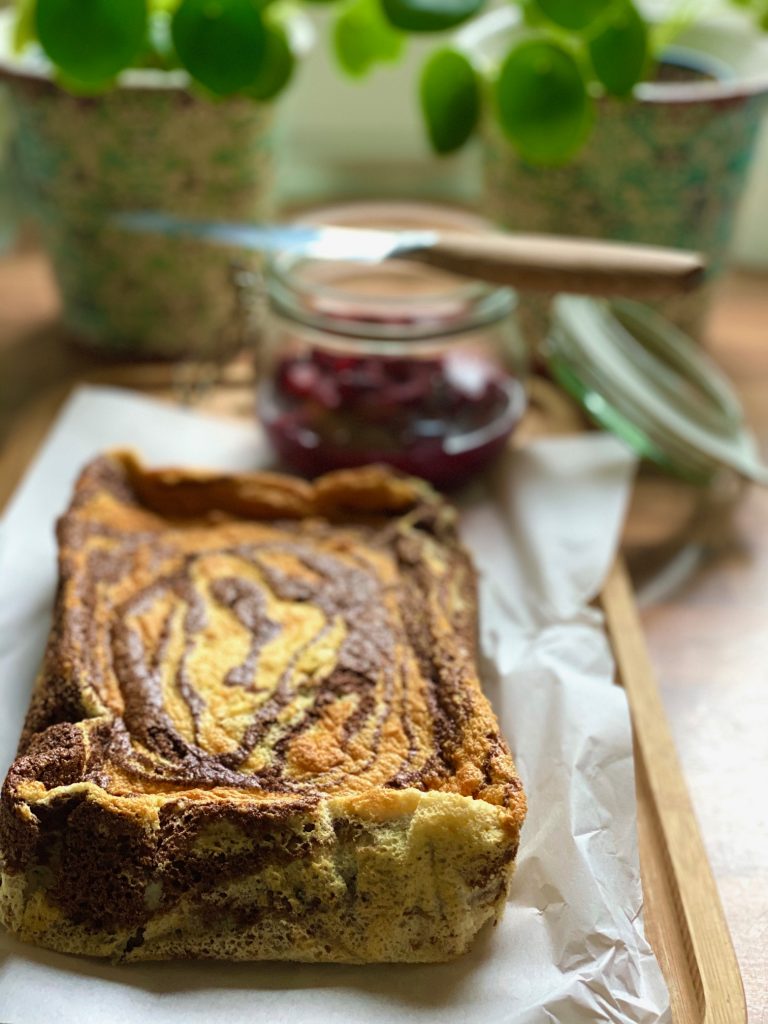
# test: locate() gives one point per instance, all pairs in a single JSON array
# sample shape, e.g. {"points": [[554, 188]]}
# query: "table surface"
{"points": [[708, 635]]}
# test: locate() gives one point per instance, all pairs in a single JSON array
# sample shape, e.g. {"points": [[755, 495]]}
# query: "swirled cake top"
{"points": [[263, 636]]}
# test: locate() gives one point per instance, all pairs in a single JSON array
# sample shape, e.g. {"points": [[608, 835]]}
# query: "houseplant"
{"points": [[581, 129], [121, 105], [667, 166]]}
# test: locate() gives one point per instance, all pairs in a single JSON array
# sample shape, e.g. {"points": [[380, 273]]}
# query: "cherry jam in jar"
{"points": [[394, 362]]}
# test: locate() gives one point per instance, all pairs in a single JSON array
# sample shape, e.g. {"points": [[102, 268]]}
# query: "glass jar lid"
{"points": [[641, 378]]}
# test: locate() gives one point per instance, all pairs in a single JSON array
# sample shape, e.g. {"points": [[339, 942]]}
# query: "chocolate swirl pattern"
{"points": [[275, 670]]}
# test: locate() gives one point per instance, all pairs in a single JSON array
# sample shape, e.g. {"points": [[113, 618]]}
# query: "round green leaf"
{"points": [[429, 15], [542, 101], [362, 37], [450, 99], [91, 40], [220, 42], [277, 65], [619, 49], [573, 14]]}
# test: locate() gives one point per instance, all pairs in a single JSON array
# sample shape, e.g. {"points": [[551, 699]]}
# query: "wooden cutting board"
{"points": [[683, 916]]}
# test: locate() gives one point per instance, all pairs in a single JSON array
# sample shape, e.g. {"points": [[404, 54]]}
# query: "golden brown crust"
{"points": [[283, 672]]}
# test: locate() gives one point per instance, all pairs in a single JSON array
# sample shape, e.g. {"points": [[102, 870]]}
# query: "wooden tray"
{"points": [[683, 915], [684, 918]]}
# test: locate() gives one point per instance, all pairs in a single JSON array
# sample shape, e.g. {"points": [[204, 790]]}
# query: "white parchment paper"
{"points": [[570, 947]]}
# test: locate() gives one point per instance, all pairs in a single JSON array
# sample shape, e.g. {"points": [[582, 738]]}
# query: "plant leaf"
{"points": [[429, 15], [450, 99], [573, 14], [91, 40], [362, 37], [220, 42], [277, 65], [542, 101], [619, 49]]}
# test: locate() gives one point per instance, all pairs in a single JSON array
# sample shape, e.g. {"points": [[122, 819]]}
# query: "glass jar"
{"points": [[394, 362]]}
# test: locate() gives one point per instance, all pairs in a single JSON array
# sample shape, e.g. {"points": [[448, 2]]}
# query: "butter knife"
{"points": [[547, 263]]}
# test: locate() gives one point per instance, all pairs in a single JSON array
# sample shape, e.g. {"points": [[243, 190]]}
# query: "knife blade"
{"points": [[329, 243]]}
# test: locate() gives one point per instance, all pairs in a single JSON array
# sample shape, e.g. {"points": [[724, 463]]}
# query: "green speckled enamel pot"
{"points": [[147, 144], [666, 168]]}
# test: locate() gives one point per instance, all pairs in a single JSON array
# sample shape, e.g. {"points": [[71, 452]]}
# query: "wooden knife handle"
{"points": [[550, 263]]}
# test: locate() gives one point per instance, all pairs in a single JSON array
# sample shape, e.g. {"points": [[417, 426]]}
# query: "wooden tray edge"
{"points": [[684, 919]]}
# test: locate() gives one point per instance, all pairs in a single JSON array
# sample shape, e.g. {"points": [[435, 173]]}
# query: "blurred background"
{"points": [[341, 136], [606, 119]]}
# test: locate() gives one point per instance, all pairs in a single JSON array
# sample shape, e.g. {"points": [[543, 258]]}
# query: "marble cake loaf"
{"points": [[258, 732]]}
